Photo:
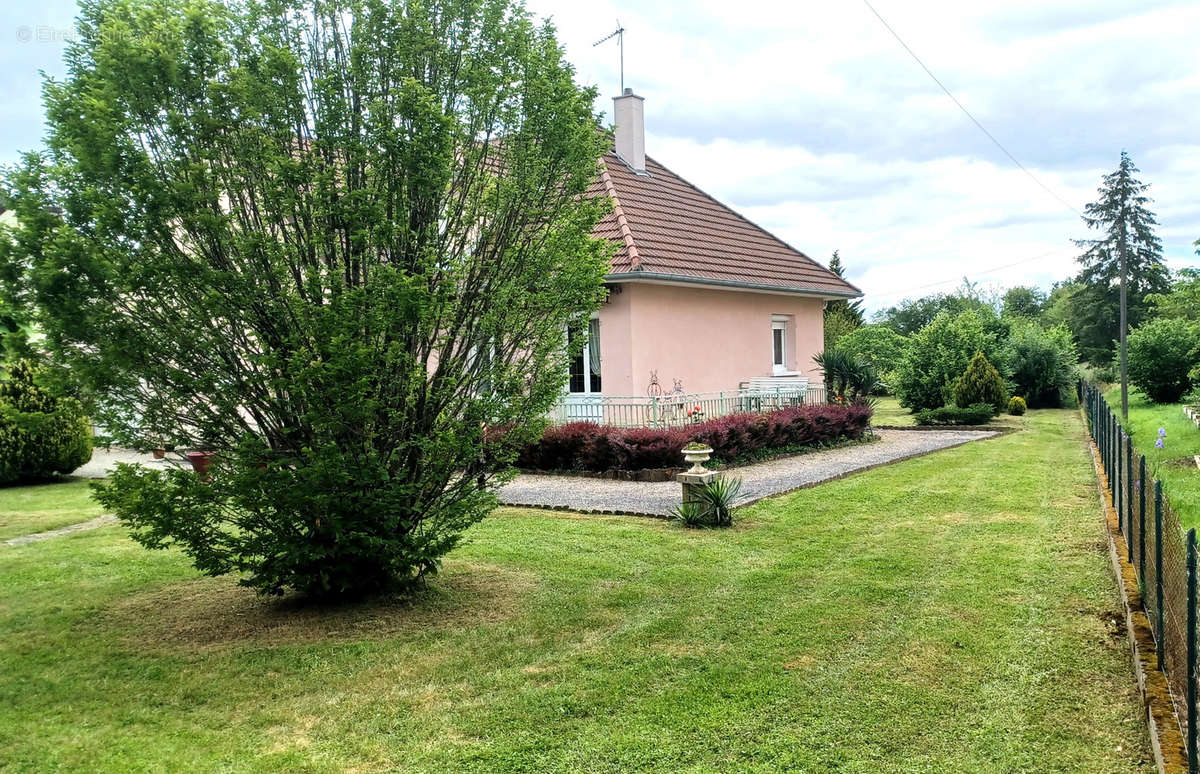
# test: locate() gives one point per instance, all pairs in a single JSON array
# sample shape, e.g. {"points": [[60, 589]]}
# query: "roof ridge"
{"points": [[635, 260], [736, 214]]}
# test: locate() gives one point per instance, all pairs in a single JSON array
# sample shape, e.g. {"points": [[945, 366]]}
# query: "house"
{"points": [[701, 300]]}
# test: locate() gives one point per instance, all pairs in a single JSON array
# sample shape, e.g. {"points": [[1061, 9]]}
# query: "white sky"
{"points": [[810, 119]]}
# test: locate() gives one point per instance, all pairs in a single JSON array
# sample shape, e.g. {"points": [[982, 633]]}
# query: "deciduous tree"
{"points": [[337, 245]]}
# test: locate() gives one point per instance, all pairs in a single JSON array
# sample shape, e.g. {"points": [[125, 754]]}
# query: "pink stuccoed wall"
{"points": [[710, 339]]}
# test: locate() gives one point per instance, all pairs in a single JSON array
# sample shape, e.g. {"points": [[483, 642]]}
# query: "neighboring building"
{"points": [[699, 296]]}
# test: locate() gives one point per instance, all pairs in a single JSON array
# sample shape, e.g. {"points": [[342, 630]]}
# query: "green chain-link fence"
{"points": [[1163, 556]]}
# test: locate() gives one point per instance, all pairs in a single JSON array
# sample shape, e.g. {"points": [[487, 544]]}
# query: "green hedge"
{"points": [[976, 414]]}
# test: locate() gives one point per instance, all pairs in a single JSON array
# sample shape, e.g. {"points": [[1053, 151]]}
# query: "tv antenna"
{"points": [[619, 34]]}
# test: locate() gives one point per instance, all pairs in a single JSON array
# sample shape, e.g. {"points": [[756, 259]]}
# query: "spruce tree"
{"points": [[852, 309], [1126, 226], [841, 317]]}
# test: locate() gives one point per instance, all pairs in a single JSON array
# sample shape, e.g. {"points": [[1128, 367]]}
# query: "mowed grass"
{"points": [[888, 411], [948, 613], [28, 509], [1174, 464]]}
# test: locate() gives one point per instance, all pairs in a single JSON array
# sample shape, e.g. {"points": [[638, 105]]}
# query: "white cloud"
{"points": [[813, 121]]}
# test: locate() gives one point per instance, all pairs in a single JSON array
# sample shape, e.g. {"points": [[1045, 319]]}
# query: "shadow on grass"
{"points": [[216, 613]]}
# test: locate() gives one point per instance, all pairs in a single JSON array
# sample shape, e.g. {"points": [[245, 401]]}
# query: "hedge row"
{"points": [[594, 447], [975, 414]]}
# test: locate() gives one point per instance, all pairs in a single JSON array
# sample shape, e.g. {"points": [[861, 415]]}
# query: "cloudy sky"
{"points": [[810, 119]]}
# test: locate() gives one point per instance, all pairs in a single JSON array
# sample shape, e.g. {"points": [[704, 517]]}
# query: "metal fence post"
{"points": [[1158, 575], [1118, 474], [1127, 480], [1108, 446], [1193, 758], [1112, 454], [1142, 523], [1102, 421], [1115, 474]]}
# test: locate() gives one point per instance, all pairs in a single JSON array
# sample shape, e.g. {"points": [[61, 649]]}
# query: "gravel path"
{"points": [[597, 495], [99, 521]]}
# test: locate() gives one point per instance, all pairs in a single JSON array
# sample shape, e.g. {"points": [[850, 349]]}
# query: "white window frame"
{"points": [[779, 323], [587, 363]]}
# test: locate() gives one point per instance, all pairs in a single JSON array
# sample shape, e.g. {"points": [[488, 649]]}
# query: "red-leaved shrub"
{"points": [[593, 447]]}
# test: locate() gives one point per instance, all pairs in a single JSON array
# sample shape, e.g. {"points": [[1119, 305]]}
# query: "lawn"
{"points": [[1173, 464], [948, 613], [888, 411], [28, 509]]}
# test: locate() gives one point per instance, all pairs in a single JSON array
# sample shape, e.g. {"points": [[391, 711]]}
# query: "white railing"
{"points": [[671, 409]]}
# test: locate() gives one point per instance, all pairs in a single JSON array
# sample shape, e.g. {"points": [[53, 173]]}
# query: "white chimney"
{"points": [[630, 130]]}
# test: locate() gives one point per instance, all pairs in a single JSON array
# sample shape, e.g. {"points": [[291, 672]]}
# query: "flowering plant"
{"points": [[696, 414], [1161, 443]]}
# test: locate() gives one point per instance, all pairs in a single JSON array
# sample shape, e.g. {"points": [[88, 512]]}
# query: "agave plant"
{"points": [[713, 506]]}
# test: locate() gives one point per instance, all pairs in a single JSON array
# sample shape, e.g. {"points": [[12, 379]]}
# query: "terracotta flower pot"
{"points": [[159, 453], [200, 461]]}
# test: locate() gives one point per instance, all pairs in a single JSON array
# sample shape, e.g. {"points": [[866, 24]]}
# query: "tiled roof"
{"points": [[666, 227]]}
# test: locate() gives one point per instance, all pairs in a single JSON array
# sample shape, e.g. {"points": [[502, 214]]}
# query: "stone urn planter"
{"points": [[697, 456]]}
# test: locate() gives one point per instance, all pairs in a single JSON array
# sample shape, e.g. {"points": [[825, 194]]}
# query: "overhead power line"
{"points": [[967, 113], [978, 274]]}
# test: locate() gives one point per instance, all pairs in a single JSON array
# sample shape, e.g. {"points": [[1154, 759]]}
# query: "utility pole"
{"points": [[1124, 326]]}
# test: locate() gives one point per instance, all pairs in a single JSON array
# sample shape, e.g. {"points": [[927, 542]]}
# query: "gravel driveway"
{"points": [[104, 460], [596, 495]]}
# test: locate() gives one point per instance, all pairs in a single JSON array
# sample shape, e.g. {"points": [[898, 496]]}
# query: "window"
{"points": [[585, 367], [779, 326], [481, 357]]}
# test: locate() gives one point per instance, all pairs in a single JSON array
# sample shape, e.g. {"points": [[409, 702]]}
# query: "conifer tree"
{"points": [[1126, 227], [842, 316], [852, 309]]}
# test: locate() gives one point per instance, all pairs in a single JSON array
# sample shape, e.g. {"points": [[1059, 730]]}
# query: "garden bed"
{"points": [[652, 475], [587, 446]]}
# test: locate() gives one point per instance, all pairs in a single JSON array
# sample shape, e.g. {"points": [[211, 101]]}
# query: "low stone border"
{"points": [[617, 499], [865, 468], [1170, 756]]}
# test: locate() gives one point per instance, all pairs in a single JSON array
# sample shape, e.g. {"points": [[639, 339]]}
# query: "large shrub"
{"points": [[879, 347], [939, 353], [593, 447], [1043, 364], [330, 244], [1162, 354], [40, 434], [980, 383]]}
